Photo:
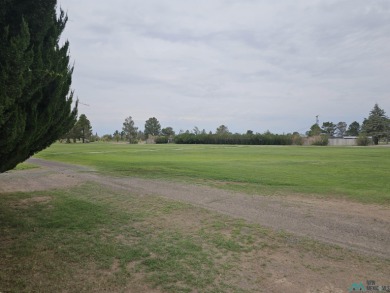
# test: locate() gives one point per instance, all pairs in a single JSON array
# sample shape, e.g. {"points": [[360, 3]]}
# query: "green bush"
{"points": [[161, 139], [321, 140], [297, 139], [236, 139], [363, 140]]}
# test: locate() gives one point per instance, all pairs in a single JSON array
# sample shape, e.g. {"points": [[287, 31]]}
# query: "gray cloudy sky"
{"points": [[248, 64]]}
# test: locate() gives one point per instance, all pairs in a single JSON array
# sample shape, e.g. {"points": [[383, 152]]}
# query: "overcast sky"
{"points": [[247, 64]]}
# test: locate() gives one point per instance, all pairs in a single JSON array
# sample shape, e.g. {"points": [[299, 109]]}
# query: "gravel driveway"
{"points": [[361, 227]]}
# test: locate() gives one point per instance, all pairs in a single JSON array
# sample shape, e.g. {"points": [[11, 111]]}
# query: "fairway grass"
{"points": [[356, 173], [92, 239], [25, 166]]}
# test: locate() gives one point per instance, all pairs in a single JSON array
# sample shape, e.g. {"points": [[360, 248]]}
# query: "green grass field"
{"points": [[24, 166], [90, 238], [357, 173]]}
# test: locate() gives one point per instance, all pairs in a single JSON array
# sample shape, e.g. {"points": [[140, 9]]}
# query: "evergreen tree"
{"points": [[377, 124], [222, 129], [152, 127], [341, 129], [315, 130], [117, 136], [168, 132], [129, 129], [353, 129], [83, 128], [329, 128], [35, 79]]}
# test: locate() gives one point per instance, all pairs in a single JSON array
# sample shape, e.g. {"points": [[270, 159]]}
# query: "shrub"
{"points": [[297, 139], [237, 139], [161, 139], [320, 140], [363, 140]]}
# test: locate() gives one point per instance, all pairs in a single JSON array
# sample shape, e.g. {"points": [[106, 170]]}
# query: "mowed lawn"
{"points": [[357, 173], [91, 238]]}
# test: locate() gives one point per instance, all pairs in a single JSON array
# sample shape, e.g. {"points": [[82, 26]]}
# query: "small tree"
{"points": [[83, 128], [297, 139], [152, 127], [363, 140], [377, 124], [314, 130], [329, 128], [95, 137], [168, 132], [353, 129], [222, 129], [320, 140], [117, 136], [129, 129], [196, 130], [141, 135], [341, 129], [106, 137]]}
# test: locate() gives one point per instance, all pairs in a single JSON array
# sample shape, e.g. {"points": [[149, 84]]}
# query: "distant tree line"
{"points": [[335, 130], [131, 134], [154, 133], [266, 138], [222, 135], [374, 128]]}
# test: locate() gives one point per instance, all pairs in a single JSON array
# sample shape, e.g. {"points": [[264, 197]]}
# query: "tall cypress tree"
{"points": [[35, 79]]}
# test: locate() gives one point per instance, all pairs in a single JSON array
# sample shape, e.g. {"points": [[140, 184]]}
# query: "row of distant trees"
{"points": [[376, 126], [131, 133], [152, 129], [248, 138], [340, 129], [82, 131]]}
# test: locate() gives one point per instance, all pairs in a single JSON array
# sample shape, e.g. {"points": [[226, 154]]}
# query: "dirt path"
{"points": [[362, 227]]}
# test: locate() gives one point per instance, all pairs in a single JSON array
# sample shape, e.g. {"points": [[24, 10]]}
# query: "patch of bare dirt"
{"points": [[285, 263], [25, 203], [362, 227], [37, 180]]}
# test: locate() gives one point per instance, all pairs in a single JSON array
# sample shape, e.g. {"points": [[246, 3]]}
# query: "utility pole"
{"points": [[317, 120]]}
